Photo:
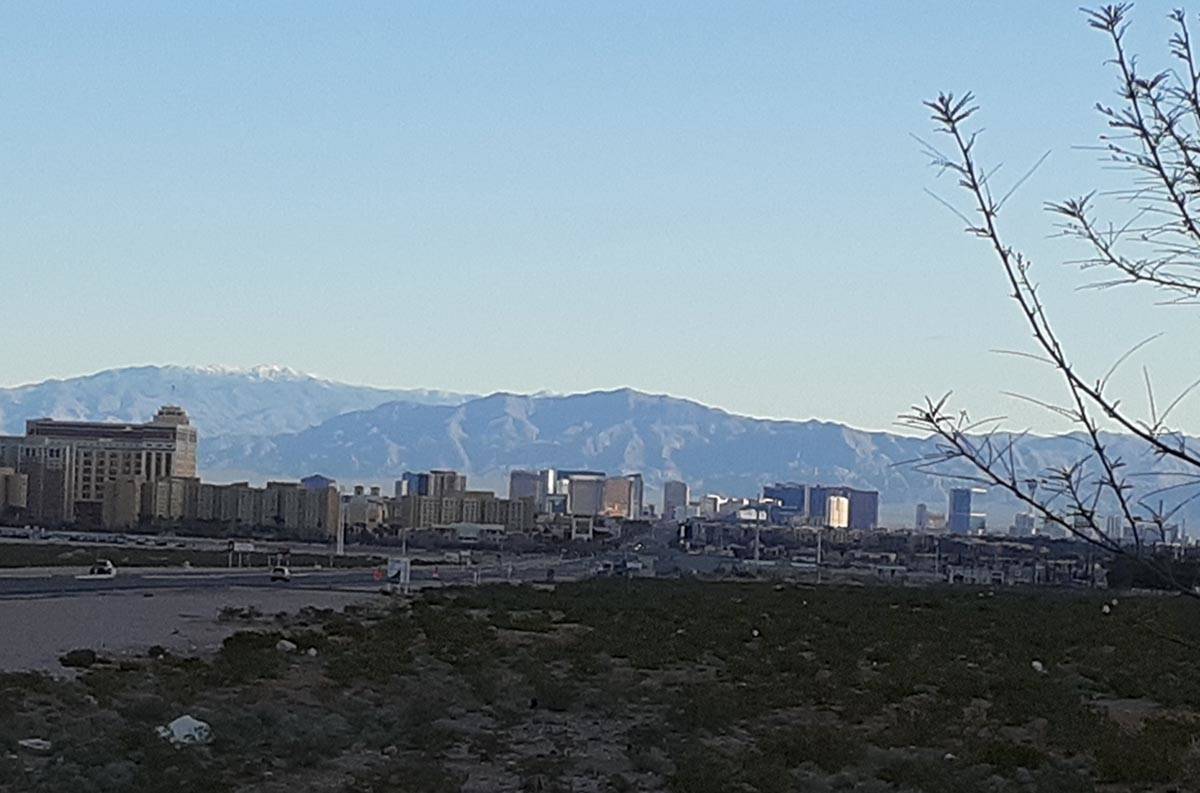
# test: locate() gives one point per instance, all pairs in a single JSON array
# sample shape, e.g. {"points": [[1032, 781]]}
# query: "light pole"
{"points": [[819, 533]]}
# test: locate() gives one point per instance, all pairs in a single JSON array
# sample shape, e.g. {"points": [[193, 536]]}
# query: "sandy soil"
{"points": [[36, 631]]}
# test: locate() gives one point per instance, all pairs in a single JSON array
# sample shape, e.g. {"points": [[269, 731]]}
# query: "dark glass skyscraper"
{"points": [[958, 511]]}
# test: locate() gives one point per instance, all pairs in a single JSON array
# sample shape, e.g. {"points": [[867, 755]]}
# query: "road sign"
{"points": [[399, 570], [243, 547]]}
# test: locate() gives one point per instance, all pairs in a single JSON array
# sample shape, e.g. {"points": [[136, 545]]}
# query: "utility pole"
{"points": [[819, 555]]}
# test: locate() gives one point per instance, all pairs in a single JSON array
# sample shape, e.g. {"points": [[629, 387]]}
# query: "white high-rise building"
{"points": [[837, 512]]}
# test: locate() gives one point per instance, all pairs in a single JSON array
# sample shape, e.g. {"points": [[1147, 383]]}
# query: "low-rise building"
{"points": [[364, 509], [14, 491], [121, 502], [471, 506]]}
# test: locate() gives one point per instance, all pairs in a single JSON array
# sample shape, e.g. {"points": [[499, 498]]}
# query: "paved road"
{"points": [[58, 583]]}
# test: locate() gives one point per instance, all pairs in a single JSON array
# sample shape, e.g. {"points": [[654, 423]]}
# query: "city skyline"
{"points": [[272, 425], [707, 207]]}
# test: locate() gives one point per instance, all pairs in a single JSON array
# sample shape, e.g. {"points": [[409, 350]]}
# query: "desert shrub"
{"points": [[239, 614], [535, 621], [1157, 753], [932, 775], [1063, 780], [648, 758], [699, 771], [108, 683], [79, 658], [588, 664], [553, 693], [617, 783], [706, 707], [451, 635], [831, 747], [482, 680], [764, 774], [247, 656], [12, 773], [1006, 757], [370, 651], [407, 776], [542, 773], [143, 706], [305, 737], [924, 723], [180, 680]]}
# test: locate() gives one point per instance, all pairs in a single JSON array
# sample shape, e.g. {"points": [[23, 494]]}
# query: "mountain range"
{"points": [[264, 400], [274, 422]]}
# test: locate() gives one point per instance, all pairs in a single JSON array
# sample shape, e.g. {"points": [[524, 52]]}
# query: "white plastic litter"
{"points": [[186, 731], [35, 745]]}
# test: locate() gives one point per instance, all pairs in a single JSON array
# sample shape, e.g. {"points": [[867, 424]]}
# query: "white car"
{"points": [[281, 573], [103, 569]]}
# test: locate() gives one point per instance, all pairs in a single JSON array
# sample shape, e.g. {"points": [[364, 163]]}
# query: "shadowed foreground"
{"points": [[645, 685]]}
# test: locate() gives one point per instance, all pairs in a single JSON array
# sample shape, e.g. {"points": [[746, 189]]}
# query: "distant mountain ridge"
{"points": [[274, 422], [264, 400]]}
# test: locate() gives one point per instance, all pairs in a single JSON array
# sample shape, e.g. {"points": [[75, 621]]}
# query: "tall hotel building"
{"points": [[70, 464]]}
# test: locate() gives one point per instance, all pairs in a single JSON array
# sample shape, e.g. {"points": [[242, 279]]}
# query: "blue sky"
{"points": [[719, 201]]}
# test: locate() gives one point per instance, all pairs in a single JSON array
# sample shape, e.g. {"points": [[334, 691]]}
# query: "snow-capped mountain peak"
{"points": [[260, 372]]}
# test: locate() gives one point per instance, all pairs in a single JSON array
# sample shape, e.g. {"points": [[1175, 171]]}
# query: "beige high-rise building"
{"points": [[69, 463], [623, 496]]}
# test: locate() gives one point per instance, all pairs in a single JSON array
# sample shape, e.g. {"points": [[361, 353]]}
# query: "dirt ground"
{"points": [[37, 631]]}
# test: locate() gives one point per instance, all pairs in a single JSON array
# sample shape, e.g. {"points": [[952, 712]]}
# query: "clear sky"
{"points": [[719, 201]]}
